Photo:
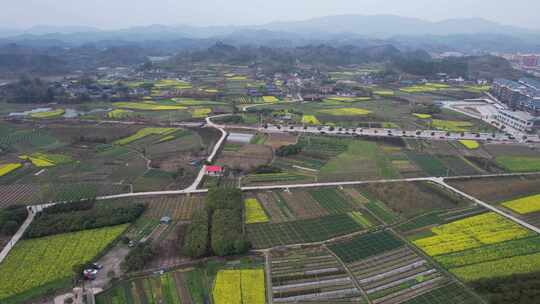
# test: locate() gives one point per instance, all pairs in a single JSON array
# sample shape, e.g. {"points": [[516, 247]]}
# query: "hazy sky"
{"points": [[109, 14]]}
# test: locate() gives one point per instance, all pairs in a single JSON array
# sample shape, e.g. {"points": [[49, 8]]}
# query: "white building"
{"points": [[518, 120]]}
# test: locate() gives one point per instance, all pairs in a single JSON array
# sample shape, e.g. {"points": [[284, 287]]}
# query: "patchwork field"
{"points": [[178, 287], [267, 235], [482, 247], [390, 272], [311, 274]]}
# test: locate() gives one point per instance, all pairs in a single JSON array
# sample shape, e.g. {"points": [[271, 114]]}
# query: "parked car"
{"points": [[90, 274], [96, 266]]}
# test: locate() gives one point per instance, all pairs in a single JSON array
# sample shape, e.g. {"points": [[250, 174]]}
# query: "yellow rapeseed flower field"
{"points": [[470, 144], [36, 262], [472, 232], [200, 112], [147, 106], [270, 99], [143, 133], [346, 111], [499, 268], [243, 286], [524, 205], [310, 119], [422, 116], [48, 114], [254, 212], [8, 168]]}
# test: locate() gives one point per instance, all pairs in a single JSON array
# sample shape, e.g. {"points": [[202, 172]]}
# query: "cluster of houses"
{"points": [[523, 100]]}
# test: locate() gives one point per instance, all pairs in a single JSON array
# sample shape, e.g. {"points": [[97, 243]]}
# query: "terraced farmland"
{"points": [[310, 275]]}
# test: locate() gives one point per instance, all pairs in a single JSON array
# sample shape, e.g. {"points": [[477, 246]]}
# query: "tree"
{"points": [[196, 240], [138, 257], [10, 227]]}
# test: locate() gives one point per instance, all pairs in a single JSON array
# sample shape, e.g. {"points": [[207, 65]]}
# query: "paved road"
{"points": [[32, 210], [309, 185], [196, 183]]}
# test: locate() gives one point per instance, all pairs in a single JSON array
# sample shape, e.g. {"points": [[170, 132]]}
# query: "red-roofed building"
{"points": [[214, 170]]}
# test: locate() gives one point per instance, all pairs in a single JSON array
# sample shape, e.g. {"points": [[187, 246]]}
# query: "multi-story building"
{"points": [[518, 120], [523, 95], [529, 60]]}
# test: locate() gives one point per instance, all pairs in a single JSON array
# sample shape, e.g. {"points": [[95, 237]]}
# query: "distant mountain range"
{"points": [[467, 35]]}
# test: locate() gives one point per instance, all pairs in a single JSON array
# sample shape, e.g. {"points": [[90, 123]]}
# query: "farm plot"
{"points": [[430, 164], [37, 265], [311, 274], [457, 165], [170, 288], [5, 169], [275, 178], [246, 157], [495, 190], [408, 199], [147, 106], [302, 204], [483, 246], [519, 163], [331, 200], [28, 194], [276, 140], [451, 125], [175, 207], [19, 194], [452, 293], [267, 235], [386, 269], [239, 286], [41, 160], [144, 133], [469, 233], [524, 205], [275, 206], [254, 213], [361, 160], [431, 219], [28, 140]]}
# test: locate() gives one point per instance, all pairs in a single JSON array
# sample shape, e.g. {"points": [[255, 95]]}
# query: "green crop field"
{"points": [[35, 265], [452, 293], [267, 235], [364, 246], [362, 159], [430, 164], [331, 200], [382, 212], [519, 164], [145, 132], [451, 125]]}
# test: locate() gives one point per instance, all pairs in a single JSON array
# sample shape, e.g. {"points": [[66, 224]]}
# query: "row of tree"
{"points": [[218, 228], [70, 217], [11, 218]]}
